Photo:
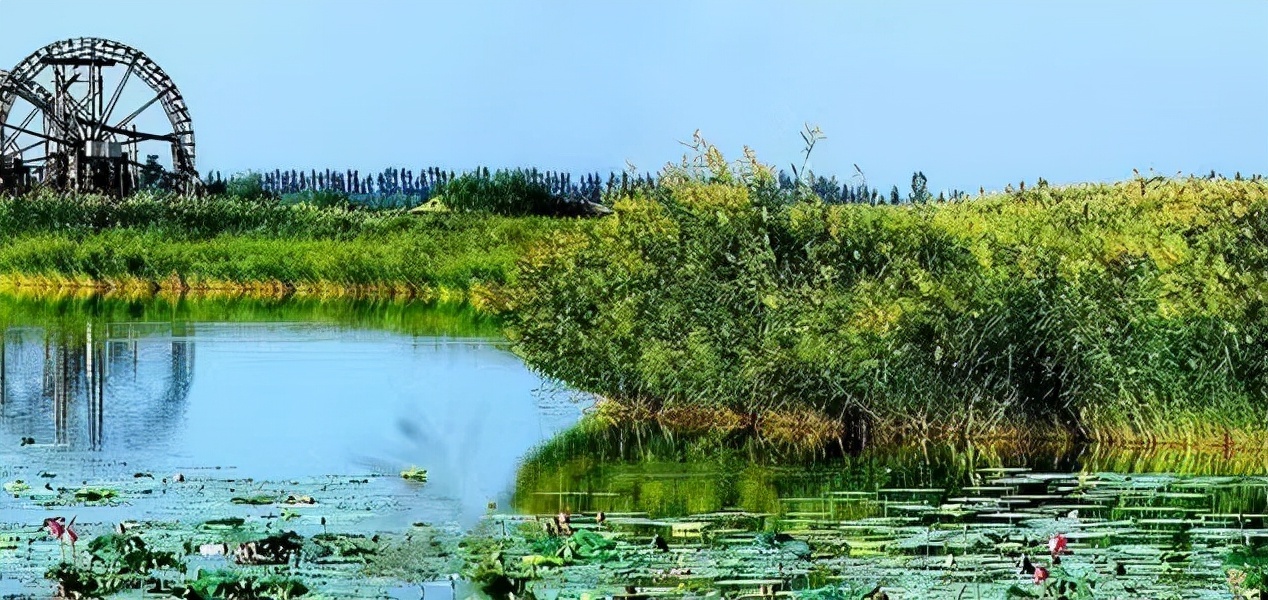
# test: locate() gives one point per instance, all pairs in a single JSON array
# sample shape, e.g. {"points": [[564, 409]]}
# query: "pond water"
{"points": [[272, 401], [918, 522], [301, 416], [94, 395]]}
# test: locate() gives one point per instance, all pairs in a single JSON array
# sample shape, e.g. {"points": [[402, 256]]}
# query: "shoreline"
{"points": [[800, 430], [809, 432], [52, 287]]}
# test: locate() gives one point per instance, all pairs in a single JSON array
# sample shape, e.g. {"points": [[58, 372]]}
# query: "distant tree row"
{"points": [[418, 187], [422, 185]]}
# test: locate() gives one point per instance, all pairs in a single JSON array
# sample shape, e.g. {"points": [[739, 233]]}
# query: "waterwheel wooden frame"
{"points": [[67, 133]]}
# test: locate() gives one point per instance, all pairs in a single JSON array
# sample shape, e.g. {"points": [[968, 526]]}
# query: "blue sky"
{"points": [[973, 94]]}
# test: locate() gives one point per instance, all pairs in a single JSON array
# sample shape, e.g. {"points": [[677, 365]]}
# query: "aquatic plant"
{"points": [[116, 562], [232, 585], [94, 495], [63, 532], [1247, 569], [1129, 313], [415, 474]]}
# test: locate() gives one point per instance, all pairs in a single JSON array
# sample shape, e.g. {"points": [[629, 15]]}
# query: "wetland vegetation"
{"points": [[256, 245], [1128, 313], [789, 392], [725, 295]]}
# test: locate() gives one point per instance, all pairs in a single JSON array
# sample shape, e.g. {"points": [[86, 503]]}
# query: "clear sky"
{"points": [[973, 94]]}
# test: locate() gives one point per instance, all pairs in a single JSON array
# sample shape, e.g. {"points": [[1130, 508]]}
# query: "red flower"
{"points": [[1040, 574], [1056, 545]]}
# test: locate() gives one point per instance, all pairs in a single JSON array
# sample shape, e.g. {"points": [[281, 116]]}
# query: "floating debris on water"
{"points": [[415, 474]]}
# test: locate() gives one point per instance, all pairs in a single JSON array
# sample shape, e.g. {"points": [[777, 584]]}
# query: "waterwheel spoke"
{"points": [[25, 123], [141, 135], [22, 151], [114, 98], [63, 88], [40, 135], [136, 113]]}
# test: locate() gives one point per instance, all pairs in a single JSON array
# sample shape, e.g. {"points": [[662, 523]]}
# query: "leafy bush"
{"points": [[515, 192], [248, 186]]}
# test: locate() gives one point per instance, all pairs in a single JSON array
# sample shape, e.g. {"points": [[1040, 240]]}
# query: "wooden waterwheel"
{"points": [[87, 115]]}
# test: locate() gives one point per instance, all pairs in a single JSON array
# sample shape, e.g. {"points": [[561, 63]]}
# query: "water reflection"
{"points": [[919, 522], [57, 387], [596, 467], [107, 389]]}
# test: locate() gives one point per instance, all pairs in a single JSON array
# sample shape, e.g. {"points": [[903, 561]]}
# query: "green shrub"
{"points": [[248, 186], [515, 192], [1125, 312]]}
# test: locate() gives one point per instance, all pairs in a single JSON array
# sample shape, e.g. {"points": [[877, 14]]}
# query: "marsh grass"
{"points": [[1128, 313], [161, 242]]}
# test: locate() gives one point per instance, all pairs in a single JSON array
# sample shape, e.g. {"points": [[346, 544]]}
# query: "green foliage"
{"points": [[232, 585], [844, 591], [322, 199], [1247, 569], [153, 177], [92, 495], [516, 193], [232, 240], [919, 188], [415, 474], [117, 562], [248, 186], [1128, 311]]}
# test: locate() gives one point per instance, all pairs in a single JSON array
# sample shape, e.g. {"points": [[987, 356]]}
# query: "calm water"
{"points": [[332, 400], [919, 522], [274, 401]]}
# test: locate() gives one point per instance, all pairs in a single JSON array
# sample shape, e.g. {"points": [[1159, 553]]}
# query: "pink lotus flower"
{"points": [[70, 534], [1057, 544], [54, 527], [1040, 574], [63, 533]]}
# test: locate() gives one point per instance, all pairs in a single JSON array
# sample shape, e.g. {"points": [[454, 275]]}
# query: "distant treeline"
{"points": [[422, 185], [418, 187]]}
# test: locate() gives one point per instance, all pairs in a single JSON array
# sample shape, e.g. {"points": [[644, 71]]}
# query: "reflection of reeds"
{"points": [[1210, 430], [802, 431], [602, 465], [1174, 459], [70, 310]]}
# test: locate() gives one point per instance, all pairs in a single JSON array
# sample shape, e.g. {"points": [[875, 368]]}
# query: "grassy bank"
{"points": [[151, 242], [1129, 313]]}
